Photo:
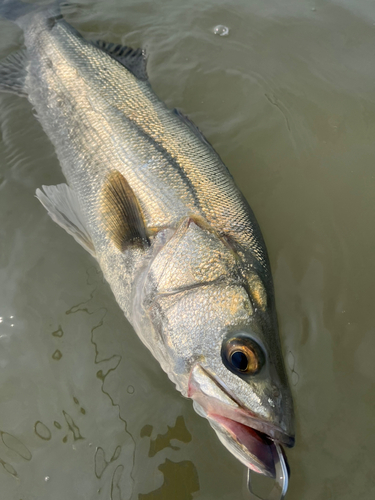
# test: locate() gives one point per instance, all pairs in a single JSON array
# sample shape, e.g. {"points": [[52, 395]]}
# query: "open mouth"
{"points": [[257, 445], [254, 441]]}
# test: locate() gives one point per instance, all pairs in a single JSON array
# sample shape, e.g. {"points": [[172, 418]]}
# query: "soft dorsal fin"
{"points": [[63, 207], [192, 127], [13, 73], [133, 59], [121, 213]]}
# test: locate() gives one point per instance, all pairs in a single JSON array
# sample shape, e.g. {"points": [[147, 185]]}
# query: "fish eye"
{"points": [[243, 356]]}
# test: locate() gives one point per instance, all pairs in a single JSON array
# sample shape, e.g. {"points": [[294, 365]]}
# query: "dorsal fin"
{"points": [[192, 127], [121, 213], [133, 59]]}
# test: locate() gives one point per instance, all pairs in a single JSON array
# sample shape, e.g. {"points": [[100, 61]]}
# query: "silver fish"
{"points": [[152, 201]]}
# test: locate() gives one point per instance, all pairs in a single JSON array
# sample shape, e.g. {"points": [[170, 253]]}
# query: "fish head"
{"points": [[216, 335], [227, 358], [237, 378], [242, 389]]}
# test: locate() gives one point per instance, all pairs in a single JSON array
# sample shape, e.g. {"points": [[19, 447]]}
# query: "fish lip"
{"points": [[245, 417]]}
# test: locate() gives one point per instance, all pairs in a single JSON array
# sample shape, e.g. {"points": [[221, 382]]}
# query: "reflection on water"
{"points": [[288, 100], [178, 431], [180, 481], [181, 478]]}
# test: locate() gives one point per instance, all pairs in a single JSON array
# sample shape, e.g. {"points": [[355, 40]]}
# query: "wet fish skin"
{"points": [[204, 273]]}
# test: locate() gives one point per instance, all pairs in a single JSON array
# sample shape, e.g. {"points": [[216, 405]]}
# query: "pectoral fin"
{"points": [[122, 214], [63, 207]]}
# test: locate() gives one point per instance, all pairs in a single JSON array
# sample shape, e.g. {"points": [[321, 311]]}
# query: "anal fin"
{"points": [[122, 214], [63, 207], [13, 73]]}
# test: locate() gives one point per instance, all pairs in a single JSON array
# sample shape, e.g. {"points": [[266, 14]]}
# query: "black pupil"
{"points": [[239, 360]]}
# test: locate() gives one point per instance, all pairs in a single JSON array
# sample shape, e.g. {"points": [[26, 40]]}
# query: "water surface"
{"points": [[288, 100]]}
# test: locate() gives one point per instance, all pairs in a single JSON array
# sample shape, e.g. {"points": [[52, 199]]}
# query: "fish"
{"points": [[151, 200]]}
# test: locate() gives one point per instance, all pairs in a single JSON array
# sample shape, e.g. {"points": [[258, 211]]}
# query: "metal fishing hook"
{"points": [[282, 476]]}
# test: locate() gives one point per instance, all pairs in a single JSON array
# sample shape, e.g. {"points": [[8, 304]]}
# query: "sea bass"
{"points": [[151, 200]]}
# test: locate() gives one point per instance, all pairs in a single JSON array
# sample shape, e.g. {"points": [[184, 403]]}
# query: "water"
{"points": [[288, 100]]}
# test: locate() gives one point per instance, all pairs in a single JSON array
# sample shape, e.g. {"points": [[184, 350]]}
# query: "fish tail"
{"points": [[13, 69], [13, 74]]}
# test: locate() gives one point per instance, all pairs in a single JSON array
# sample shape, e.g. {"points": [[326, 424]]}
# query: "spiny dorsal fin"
{"points": [[122, 214], [13, 73], [192, 127], [133, 59], [63, 207]]}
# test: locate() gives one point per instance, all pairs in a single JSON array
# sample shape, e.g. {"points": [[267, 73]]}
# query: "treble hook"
{"points": [[282, 476]]}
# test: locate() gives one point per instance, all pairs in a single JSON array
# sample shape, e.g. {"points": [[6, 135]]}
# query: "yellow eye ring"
{"points": [[243, 356]]}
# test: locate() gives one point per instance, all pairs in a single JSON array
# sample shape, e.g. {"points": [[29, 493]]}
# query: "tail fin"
{"points": [[13, 74], [13, 68]]}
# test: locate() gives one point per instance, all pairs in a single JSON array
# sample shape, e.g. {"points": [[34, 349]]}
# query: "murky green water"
{"points": [[288, 100]]}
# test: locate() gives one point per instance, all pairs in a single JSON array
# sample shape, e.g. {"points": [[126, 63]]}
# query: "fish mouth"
{"points": [[250, 438], [257, 446]]}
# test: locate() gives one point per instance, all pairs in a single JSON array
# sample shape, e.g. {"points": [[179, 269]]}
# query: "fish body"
{"points": [[152, 201]]}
